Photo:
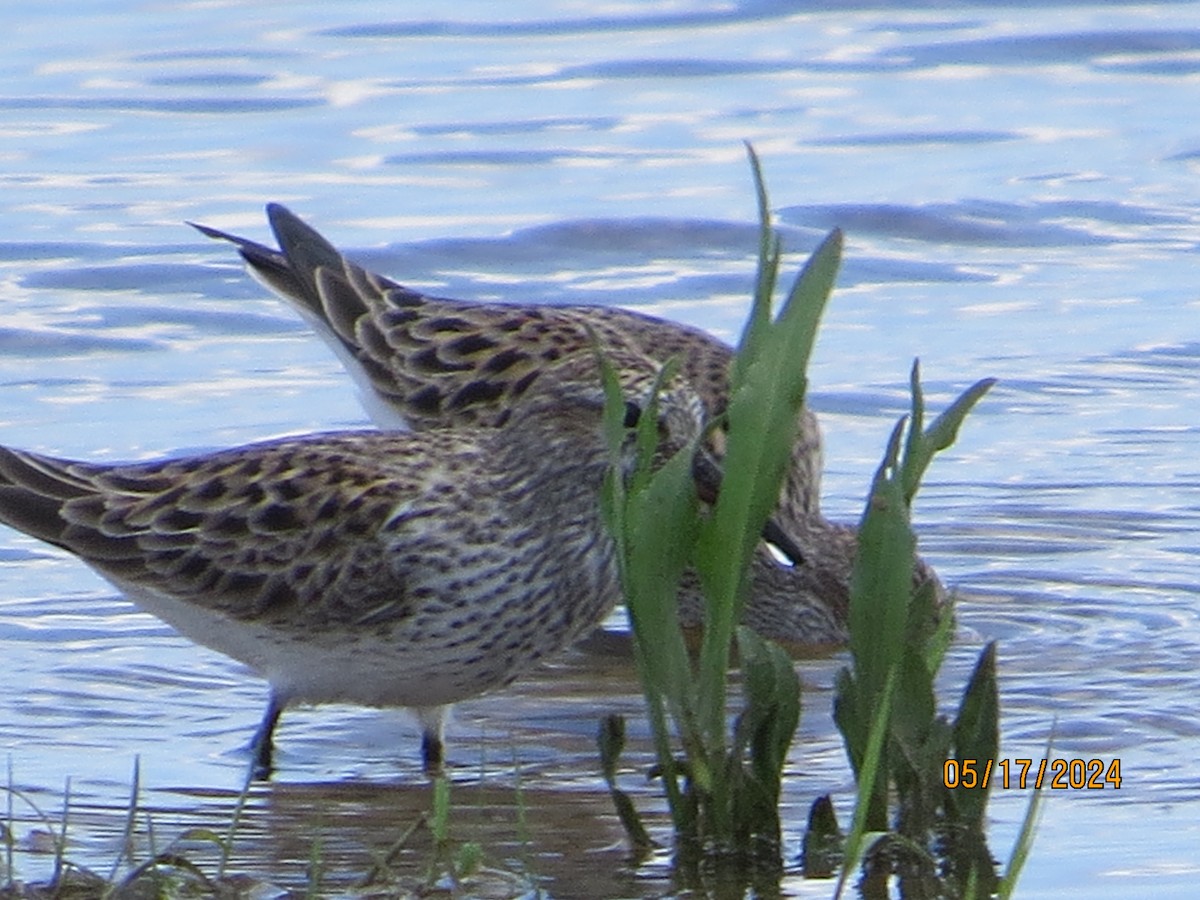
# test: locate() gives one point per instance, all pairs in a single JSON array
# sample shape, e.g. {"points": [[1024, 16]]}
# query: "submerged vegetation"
{"points": [[417, 854]]}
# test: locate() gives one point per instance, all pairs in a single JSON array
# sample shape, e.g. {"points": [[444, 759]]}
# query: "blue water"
{"points": [[1018, 185]]}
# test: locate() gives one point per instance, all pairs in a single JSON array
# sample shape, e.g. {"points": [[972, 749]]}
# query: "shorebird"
{"points": [[429, 362], [376, 568]]}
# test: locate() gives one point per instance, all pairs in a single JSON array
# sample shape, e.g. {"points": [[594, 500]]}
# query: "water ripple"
{"points": [[197, 105], [987, 223], [1019, 199]]}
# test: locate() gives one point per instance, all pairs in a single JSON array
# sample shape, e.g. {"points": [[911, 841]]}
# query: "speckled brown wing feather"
{"points": [[438, 362], [274, 530], [445, 362]]}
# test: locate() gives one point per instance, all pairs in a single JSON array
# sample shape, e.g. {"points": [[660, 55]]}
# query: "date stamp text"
{"points": [[1074, 774]]}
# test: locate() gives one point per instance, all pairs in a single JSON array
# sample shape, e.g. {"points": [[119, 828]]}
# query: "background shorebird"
{"points": [[431, 362]]}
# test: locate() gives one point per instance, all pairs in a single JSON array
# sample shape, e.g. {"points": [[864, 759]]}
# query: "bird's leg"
{"points": [[432, 752], [262, 745], [433, 722]]}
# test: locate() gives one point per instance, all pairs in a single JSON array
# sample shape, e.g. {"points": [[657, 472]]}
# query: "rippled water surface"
{"points": [[1019, 190]]}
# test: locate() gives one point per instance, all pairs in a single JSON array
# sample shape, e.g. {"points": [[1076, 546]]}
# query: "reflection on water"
{"points": [[1020, 201], [349, 785]]}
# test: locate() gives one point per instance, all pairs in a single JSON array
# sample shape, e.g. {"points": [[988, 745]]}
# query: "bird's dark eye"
{"points": [[633, 413]]}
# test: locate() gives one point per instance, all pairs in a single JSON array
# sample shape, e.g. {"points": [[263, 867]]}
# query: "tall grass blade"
{"points": [[60, 840], [130, 818], [767, 394], [1024, 841], [439, 822], [235, 820], [652, 520], [882, 579], [772, 712], [977, 734], [941, 434], [767, 275], [868, 775]]}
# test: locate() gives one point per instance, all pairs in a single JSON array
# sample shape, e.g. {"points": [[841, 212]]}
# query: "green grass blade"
{"points": [[439, 821], [914, 448], [942, 433], [767, 275], [130, 819], [614, 400], [944, 430], [764, 407], [772, 712], [867, 777], [977, 733], [1024, 841], [653, 521], [662, 524], [882, 580], [943, 633]]}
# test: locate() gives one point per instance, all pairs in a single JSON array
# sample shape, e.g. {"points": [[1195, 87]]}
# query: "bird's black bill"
{"points": [[707, 475], [778, 538]]}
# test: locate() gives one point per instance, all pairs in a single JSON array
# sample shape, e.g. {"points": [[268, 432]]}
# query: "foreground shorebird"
{"points": [[432, 362], [375, 568]]}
